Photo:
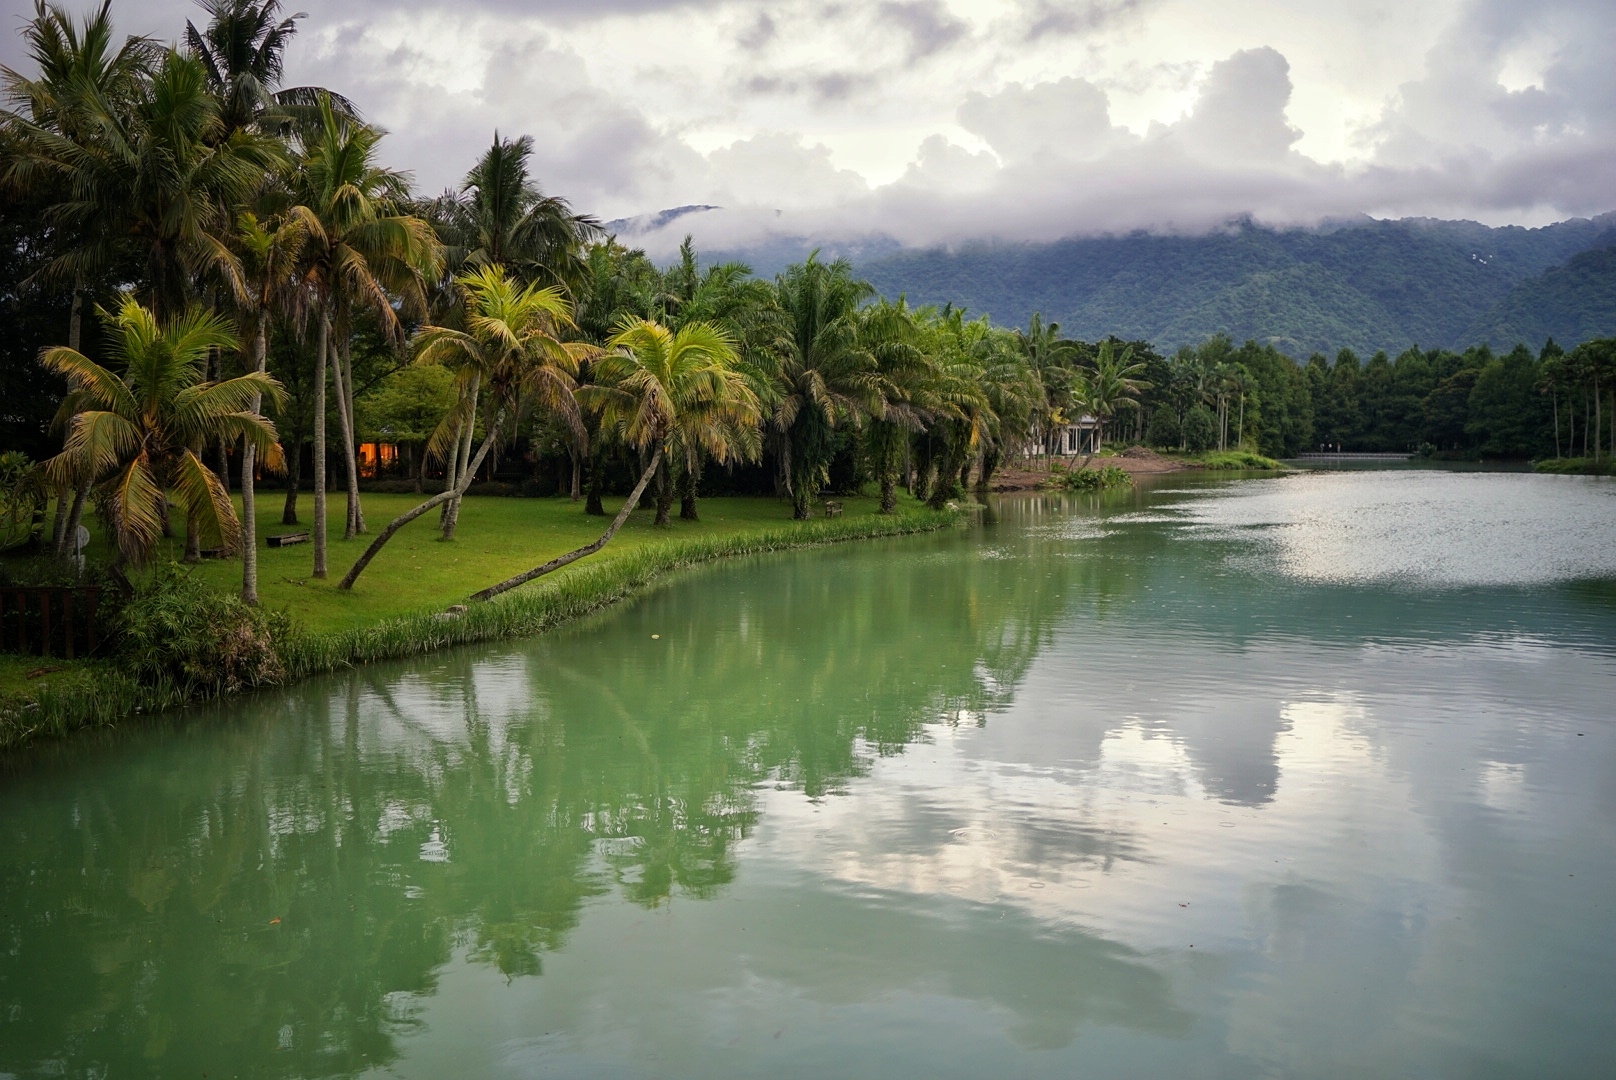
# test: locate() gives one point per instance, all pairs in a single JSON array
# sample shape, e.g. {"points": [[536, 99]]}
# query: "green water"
{"points": [[1309, 777]]}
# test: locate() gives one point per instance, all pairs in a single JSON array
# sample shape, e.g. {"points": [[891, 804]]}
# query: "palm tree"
{"points": [[81, 77], [826, 374], [509, 355], [162, 177], [1050, 356], [506, 220], [364, 252], [242, 51], [81, 73], [271, 255], [962, 415], [650, 374], [728, 297], [137, 436], [1109, 387], [906, 371]]}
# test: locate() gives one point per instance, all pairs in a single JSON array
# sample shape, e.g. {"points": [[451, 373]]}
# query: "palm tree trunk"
{"points": [[408, 516], [889, 492], [319, 448], [588, 549], [249, 459], [467, 470], [597, 480], [664, 495], [80, 497], [1556, 397], [355, 522], [687, 498], [577, 473]]}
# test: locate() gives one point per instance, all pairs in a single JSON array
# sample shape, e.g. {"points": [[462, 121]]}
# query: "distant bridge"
{"points": [[1353, 457]]}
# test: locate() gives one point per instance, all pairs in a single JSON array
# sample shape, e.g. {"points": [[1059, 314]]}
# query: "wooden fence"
{"points": [[49, 620]]}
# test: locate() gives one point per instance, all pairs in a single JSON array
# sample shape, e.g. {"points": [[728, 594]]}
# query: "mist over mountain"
{"points": [[1362, 284]]}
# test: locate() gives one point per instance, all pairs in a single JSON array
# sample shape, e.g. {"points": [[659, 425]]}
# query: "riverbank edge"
{"points": [[107, 697]]}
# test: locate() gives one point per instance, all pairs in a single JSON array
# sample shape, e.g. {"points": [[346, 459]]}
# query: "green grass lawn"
{"points": [[497, 537]]}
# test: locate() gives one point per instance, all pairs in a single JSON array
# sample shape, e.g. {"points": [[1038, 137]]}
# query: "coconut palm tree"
{"points": [[365, 253], [1050, 356], [81, 72], [242, 49], [826, 375], [506, 220], [906, 374], [82, 75], [271, 252], [1110, 386], [162, 177], [137, 435], [510, 356], [648, 377]]}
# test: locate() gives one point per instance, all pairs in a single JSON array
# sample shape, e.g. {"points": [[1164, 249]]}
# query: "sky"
{"points": [[945, 121]]}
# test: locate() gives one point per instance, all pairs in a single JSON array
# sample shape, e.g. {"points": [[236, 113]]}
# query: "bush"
{"points": [[1164, 431], [1200, 430], [174, 632], [1239, 460], [1576, 466], [1064, 479]]}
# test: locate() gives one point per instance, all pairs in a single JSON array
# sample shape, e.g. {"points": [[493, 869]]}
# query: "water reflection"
{"points": [[1096, 785]]}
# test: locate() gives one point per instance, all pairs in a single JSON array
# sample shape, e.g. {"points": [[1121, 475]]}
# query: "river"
{"points": [[1308, 776]]}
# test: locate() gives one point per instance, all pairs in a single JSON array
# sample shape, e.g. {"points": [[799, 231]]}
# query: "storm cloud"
{"points": [[940, 121]]}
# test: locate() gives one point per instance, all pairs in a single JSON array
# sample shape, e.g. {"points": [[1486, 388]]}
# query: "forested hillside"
{"points": [[1569, 303], [1366, 285]]}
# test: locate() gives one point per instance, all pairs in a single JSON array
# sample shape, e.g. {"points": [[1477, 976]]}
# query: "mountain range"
{"points": [[1363, 284]]}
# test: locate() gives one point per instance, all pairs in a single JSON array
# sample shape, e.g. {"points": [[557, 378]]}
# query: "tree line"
{"points": [[244, 288]]}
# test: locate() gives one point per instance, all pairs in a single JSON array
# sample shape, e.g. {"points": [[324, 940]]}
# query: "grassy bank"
{"points": [[1577, 466], [397, 610], [1234, 461]]}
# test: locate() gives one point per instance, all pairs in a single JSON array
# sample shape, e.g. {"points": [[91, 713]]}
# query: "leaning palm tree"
{"points": [[648, 376], [509, 355], [137, 435]]}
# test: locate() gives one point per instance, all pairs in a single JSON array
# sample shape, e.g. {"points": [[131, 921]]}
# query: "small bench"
{"points": [[215, 553], [284, 539], [833, 508]]}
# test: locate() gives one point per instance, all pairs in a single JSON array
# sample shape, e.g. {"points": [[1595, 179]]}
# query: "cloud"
{"points": [[776, 170], [937, 121], [931, 27], [1068, 119], [1061, 18], [1241, 111]]}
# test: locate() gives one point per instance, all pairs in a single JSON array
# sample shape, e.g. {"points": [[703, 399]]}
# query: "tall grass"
{"points": [[106, 694], [1237, 461]]}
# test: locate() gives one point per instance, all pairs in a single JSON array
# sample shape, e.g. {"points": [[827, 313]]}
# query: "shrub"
{"points": [[1111, 476], [1576, 466], [1238, 460], [1200, 430], [1164, 432], [174, 632]]}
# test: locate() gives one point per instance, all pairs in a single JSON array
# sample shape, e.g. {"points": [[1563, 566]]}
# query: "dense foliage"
{"points": [[495, 333], [1367, 285]]}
